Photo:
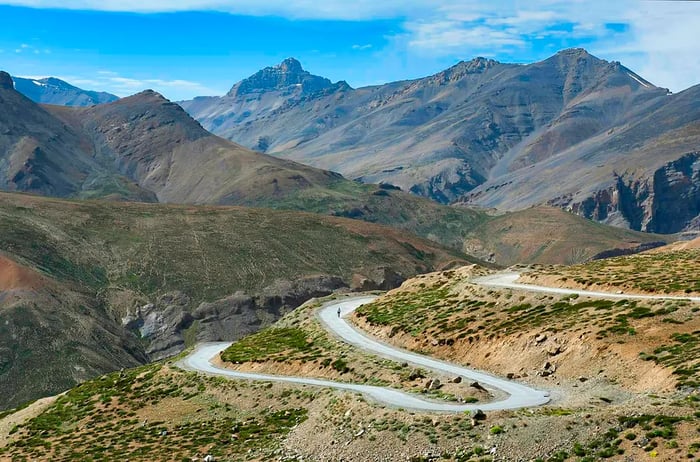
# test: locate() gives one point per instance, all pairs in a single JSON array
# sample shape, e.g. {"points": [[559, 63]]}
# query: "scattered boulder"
{"points": [[433, 384], [477, 385], [457, 379], [416, 374], [477, 415], [540, 338], [553, 350], [582, 379], [548, 369]]}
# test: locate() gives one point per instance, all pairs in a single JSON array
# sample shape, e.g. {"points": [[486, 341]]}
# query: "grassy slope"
{"points": [[157, 412], [207, 252], [448, 308], [104, 258], [548, 235], [108, 419], [667, 270], [639, 356], [372, 203]]}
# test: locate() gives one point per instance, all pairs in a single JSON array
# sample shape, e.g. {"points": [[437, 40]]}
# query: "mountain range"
{"points": [[116, 284], [146, 148], [574, 131], [51, 90]]}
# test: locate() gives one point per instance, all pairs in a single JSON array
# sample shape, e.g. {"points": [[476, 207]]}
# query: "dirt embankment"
{"points": [[15, 276], [562, 352], [8, 423]]}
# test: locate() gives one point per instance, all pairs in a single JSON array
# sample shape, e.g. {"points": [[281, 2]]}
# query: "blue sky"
{"points": [[184, 48]]}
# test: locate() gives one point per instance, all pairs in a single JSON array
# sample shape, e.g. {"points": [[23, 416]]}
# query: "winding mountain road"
{"points": [[507, 281], [518, 395]]}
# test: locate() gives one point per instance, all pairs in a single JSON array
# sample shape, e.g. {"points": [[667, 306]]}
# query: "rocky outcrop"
{"points": [[666, 202], [6, 82], [287, 74], [170, 323]]}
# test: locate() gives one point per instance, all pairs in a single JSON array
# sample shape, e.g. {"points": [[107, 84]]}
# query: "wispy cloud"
{"points": [[358, 47], [113, 82], [26, 48], [658, 39], [306, 9]]}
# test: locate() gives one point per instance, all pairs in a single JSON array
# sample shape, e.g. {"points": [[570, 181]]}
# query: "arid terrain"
{"points": [[622, 375]]}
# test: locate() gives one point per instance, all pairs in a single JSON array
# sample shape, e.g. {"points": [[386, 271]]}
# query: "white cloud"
{"points": [[112, 82], [307, 9], [447, 37], [362, 47], [25, 47], [659, 40], [664, 43]]}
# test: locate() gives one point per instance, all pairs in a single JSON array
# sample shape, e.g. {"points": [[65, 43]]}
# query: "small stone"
{"points": [[457, 379], [433, 384], [553, 350], [477, 385]]}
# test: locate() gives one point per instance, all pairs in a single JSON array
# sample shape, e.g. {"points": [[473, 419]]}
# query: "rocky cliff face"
{"points": [[668, 201], [171, 323]]}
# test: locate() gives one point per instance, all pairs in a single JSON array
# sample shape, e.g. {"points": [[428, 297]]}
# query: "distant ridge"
{"points": [[51, 90], [574, 131]]}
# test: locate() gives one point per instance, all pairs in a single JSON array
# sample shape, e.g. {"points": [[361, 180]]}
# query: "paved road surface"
{"points": [[517, 395], [507, 280]]}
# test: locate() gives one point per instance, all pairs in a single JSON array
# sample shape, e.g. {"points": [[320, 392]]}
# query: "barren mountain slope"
{"points": [[572, 131], [51, 90], [440, 136], [87, 287]]}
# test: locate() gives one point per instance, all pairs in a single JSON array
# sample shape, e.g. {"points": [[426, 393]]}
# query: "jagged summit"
{"points": [[6, 81], [286, 74], [290, 66], [574, 51]]}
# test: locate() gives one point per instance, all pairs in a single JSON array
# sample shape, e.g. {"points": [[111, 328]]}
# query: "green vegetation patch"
{"points": [[672, 272], [683, 355], [100, 420], [268, 344]]}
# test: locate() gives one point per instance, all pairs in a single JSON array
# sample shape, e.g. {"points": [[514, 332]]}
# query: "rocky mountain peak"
{"points": [[286, 74], [574, 52], [480, 63], [6, 82], [290, 66]]}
